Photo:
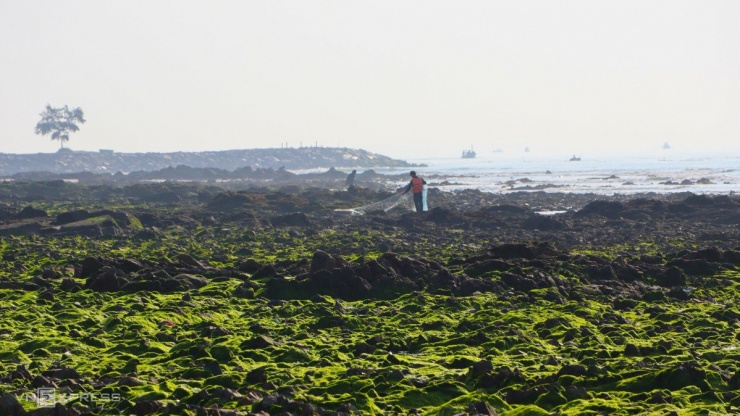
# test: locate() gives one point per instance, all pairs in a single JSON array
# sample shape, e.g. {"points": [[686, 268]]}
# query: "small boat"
{"points": [[468, 154], [666, 146], [575, 159]]}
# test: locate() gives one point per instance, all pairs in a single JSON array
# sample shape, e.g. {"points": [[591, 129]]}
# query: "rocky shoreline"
{"points": [[197, 299], [67, 161]]}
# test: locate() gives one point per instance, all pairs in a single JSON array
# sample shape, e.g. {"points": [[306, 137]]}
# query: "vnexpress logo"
{"points": [[47, 397]]}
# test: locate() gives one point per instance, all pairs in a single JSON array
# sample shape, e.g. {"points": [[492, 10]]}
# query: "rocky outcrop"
{"points": [[68, 161]]}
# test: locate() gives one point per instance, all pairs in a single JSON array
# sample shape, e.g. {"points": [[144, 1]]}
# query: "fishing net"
{"points": [[402, 201]]}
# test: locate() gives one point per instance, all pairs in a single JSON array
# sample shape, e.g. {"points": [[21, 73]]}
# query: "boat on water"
{"points": [[575, 159], [468, 154], [666, 146]]}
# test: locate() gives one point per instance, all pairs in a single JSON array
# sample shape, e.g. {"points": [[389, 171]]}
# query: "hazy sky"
{"points": [[405, 78]]}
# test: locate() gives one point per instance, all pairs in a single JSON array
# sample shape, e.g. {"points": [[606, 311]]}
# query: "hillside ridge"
{"points": [[108, 161]]}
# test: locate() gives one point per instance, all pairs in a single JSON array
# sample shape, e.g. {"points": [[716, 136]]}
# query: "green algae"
{"points": [[529, 410], [410, 351], [441, 358]]}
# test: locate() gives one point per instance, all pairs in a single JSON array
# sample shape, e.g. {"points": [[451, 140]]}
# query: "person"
{"points": [[416, 186], [351, 180]]}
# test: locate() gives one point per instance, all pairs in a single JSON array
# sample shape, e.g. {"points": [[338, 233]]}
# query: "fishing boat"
{"points": [[575, 159], [468, 154]]}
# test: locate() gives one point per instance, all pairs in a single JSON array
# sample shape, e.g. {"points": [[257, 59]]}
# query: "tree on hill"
{"points": [[60, 122]]}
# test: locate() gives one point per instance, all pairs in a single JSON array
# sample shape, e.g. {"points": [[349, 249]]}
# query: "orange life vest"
{"points": [[416, 185]]}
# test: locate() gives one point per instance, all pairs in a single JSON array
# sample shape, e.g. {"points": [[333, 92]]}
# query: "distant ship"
{"points": [[575, 159], [666, 146], [526, 149], [468, 154]]}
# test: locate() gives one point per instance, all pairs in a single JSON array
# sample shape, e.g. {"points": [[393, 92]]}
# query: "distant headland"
{"points": [[109, 161]]}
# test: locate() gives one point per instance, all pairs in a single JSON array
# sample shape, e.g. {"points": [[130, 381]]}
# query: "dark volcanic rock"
{"points": [[507, 210], [106, 281], [672, 276], [296, 219], [541, 222], [230, 200], [267, 270], [684, 374], [519, 283], [444, 216], [695, 267], [90, 266], [249, 266], [100, 227], [322, 261], [601, 272], [72, 216], [9, 405], [523, 250], [129, 265], [342, 283], [494, 265], [7, 212], [21, 228], [179, 283], [608, 209], [31, 212]]}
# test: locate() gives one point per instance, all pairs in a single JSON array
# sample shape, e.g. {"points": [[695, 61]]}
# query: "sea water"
{"points": [[665, 172]]}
